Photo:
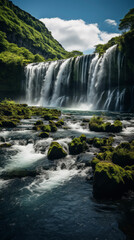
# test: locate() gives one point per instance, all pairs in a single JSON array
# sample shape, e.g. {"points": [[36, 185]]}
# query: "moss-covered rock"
{"points": [[56, 151], [97, 124], [46, 128], [9, 123], [60, 123], [94, 162], [99, 142], [38, 123], [111, 180], [123, 157], [5, 145], [52, 126], [78, 145], [44, 135]]}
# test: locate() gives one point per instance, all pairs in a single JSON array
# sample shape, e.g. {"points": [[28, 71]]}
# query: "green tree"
{"points": [[128, 21]]}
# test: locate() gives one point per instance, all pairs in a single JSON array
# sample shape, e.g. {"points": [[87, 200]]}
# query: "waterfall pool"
{"points": [[57, 203]]}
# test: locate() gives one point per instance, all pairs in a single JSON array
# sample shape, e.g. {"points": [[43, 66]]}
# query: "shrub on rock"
{"points": [[56, 151]]}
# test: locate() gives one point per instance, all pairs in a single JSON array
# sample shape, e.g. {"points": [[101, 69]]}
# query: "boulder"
{"points": [[56, 151], [44, 135], [111, 181]]}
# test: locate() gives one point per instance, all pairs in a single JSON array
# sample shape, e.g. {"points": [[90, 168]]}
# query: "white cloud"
{"points": [[76, 34], [111, 22]]}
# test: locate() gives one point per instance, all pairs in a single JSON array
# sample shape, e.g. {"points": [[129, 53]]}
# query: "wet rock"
{"points": [[63, 166], [85, 158], [19, 173], [5, 145], [2, 139], [56, 151], [111, 181], [44, 135]]}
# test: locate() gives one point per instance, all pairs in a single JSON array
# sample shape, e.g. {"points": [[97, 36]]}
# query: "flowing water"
{"points": [[90, 82], [53, 200]]}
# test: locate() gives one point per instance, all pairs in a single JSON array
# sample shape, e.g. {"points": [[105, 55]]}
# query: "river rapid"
{"points": [[54, 200]]}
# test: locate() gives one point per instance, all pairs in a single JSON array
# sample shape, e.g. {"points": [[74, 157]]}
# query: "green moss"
{"points": [[5, 145], [56, 151], [38, 122], [60, 123], [111, 180], [46, 128], [97, 124], [78, 145], [52, 126], [94, 162], [123, 157], [44, 135], [99, 142]]}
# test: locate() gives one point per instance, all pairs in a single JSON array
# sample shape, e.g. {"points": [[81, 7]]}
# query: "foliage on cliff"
{"points": [[124, 41], [26, 31]]}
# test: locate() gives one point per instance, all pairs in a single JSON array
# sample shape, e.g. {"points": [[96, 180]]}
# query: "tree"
{"points": [[128, 21]]}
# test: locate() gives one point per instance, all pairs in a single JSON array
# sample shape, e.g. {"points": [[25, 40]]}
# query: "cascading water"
{"points": [[99, 83]]}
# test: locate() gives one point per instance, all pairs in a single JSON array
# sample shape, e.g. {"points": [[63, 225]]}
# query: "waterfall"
{"points": [[89, 80]]}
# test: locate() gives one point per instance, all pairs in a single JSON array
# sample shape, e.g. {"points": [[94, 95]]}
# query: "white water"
{"points": [[86, 82]]}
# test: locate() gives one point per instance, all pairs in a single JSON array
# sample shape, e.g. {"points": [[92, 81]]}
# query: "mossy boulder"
{"points": [[49, 116], [94, 162], [99, 142], [97, 124], [9, 123], [60, 123], [44, 135], [56, 151], [38, 123], [52, 126], [78, 145], [5, 145], [123, 157], [46, 128], [111, 181]]}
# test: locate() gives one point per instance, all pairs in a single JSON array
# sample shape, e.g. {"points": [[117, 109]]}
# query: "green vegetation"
{"points": [[44, 135], [10, 53], [97, 124], [111, 180], [78, 145], [11, 113], [60, 123], [124, 41], [52, 126], [56, 151], [5, 145], [24, 30], [114, 170], [128, 21]]}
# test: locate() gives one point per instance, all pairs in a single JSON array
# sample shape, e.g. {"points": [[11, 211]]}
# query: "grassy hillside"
{"points": [[23, 39], [26, 31]]}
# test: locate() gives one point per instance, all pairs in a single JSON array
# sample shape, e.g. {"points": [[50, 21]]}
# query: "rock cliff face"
{"points": [[11, 81]]}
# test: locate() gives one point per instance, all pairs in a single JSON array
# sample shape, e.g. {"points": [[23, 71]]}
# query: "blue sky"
{"points": [[75, 22]]}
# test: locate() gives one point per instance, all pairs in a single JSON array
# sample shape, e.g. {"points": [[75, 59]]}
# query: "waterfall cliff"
{"points": [[96, 82]]}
